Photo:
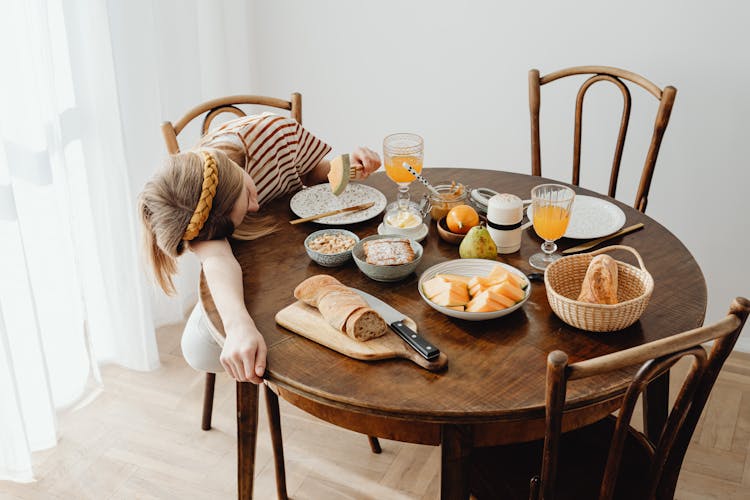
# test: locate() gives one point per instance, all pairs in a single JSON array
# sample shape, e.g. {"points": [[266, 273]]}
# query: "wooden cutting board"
{"points": [[307, 321]]}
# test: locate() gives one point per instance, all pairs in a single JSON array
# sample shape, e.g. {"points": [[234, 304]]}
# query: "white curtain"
{"points": [[71, 294], [85, 85]]}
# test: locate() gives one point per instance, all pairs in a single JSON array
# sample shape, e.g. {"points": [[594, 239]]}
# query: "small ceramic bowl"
{"points": [[447, 235], [385, 273], [330, 259]]}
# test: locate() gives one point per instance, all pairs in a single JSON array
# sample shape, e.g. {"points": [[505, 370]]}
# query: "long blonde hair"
{"points": [[169, 199]]}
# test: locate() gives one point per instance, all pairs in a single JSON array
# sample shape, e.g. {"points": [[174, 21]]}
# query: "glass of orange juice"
{"points": [[550, 205], [399, 149]]}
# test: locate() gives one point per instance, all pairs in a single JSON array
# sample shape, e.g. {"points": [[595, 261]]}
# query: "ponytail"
{"points": [[162, 265]]}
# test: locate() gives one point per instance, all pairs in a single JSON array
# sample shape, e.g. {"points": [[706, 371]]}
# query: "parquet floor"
{"points": [[141, 438]]}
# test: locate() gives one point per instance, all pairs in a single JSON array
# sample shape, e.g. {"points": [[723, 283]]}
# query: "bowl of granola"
{"points": [[330, 247]]}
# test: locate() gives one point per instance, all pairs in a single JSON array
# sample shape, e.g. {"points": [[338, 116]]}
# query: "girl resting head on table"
{"points": [[203, 196]]}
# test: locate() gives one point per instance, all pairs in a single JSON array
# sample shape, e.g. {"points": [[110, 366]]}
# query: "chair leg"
{"points": [[208, 401], [375, 445], [247, 434], [274, 421]]}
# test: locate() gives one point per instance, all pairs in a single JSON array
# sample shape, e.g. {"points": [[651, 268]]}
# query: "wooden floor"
{"points": [[141, 438]]}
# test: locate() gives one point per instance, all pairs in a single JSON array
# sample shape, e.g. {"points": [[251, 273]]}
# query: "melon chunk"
{"points": [[454, 277], [499, 274], [499, 289], [484, 303], [510, 290], [434, 286], [517, 280], [494, 294], [478, 284], [338, 175], [451, 297]]}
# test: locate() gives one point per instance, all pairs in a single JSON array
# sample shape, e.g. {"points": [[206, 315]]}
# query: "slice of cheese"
{"points": [[338, 175]]}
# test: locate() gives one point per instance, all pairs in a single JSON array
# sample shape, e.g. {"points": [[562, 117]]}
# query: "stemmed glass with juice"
{"points": [[551, 205], [399, 149]]}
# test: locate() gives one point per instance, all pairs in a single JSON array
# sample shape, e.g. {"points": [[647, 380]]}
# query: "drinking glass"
{"points": [[399, 149], [551, 205]]}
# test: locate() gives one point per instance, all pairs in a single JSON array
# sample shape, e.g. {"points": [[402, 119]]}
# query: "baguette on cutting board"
{"points": [[600, 283], [343, 308]]}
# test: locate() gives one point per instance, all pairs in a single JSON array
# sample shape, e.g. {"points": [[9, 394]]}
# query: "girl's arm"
{"points": [[361, 156], [244, 352]]}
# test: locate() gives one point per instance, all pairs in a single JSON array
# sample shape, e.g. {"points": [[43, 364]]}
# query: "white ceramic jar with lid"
{"points": [[504, 216]]}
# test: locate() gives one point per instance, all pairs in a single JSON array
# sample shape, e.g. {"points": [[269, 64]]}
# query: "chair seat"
{"points": [[504, 472]]}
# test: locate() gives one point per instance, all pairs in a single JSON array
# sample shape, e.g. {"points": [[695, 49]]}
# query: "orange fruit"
{"points": [[461, 218]]}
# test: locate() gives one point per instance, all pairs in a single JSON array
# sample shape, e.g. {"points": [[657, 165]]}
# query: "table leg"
{"points": [[456, 444], [656, 407], [247, 433], [274, 421]]}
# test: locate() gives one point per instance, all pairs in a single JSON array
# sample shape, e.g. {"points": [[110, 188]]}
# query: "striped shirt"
{"points": [[278, 151]]}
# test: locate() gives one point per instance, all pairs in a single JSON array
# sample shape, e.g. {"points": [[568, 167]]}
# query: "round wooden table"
{"points": [[493, 390]]}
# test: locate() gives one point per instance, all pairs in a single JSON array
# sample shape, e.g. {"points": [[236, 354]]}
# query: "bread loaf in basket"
{"points": [[563, 280]]}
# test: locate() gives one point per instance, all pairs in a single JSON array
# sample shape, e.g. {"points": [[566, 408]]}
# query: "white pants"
{"points": [[199, 348]]}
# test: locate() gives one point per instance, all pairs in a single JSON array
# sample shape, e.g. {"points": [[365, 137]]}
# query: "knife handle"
{"points": [[416, 341]]}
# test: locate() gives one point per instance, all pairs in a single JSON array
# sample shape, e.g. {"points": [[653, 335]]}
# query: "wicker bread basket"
{"points": [[563, 280]]}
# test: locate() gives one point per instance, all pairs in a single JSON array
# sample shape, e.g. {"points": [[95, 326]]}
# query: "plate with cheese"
{"points": [[474, 289]]}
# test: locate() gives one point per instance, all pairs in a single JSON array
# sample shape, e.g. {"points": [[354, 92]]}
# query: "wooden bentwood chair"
{"points": [[610, 459], [616, 76], [212, 109]]}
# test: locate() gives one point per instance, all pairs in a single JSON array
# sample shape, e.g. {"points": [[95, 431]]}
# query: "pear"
{"points": [[478, 244]]}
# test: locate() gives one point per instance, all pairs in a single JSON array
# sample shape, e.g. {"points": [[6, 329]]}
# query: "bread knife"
{"points": [[395, 321]]}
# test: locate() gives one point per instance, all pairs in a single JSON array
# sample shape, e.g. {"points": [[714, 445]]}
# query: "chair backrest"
{"points": [[616, 76], [658, 356], [215, 107]]}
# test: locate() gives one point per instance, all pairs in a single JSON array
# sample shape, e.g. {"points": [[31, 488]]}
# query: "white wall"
{"points": [[169, 56], [456, 72]]}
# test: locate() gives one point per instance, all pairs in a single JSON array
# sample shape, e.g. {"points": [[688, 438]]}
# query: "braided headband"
{"points": [[208, 190]]}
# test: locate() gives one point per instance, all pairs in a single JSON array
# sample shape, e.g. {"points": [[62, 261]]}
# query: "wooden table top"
{"points": [[496, 368]]}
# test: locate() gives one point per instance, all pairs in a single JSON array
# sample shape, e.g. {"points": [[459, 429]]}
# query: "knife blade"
{"points": [[395, 321], [593, 243], [355, 208]]}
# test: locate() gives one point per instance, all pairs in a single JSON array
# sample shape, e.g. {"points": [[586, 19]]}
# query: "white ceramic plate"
{"points": [[591, 218], [470, 267], [318, 199]]}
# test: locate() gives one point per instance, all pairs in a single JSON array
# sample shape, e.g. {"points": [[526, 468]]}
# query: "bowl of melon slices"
{"points": [[474, 289]]}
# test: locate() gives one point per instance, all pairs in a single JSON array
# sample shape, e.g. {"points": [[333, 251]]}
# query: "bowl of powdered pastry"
{"points": [[386, 258]]}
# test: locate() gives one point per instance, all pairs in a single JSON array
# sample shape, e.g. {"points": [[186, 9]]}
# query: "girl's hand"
{"points": [[244, 354], [367, 159]]}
